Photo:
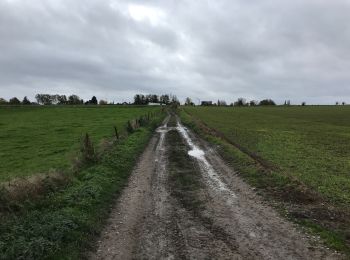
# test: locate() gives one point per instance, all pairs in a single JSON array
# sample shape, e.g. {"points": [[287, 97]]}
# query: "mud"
{"points": [[184, 202]]}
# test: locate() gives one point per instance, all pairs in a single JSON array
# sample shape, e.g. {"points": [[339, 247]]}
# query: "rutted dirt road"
{"points": [[184, 202]]}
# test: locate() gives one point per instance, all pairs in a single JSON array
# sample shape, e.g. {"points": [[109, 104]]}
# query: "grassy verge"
{"points": [[61, 224], [291, 197]]}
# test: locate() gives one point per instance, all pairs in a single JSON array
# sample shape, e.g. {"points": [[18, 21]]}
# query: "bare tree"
{"points": [[240, 102], [222, 103], [188, 102]]}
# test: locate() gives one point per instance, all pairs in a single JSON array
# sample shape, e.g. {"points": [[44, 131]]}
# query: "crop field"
{"points": [[37, 139], [310, 143]]}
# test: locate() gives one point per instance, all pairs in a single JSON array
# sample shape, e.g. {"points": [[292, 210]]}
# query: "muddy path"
{"points": [[184, 202]]}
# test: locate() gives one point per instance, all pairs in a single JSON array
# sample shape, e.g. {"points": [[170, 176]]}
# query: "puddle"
{"points": [[197, 153], [214, 181], [205, 166]]}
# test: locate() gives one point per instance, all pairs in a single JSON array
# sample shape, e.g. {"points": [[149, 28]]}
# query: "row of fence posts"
{"points": [[87, 149]]}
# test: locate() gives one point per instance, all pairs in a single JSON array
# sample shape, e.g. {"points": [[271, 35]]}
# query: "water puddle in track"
{"points": [[204, 164], [206, 168]]}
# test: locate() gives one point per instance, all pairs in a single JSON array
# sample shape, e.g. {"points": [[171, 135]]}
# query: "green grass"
{"points": [[62, 224], [305, 144], [309, 143], [37, 139]]}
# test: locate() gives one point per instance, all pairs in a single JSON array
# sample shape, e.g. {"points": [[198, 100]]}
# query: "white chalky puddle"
{"points": [[199, 154], [196, 153], [205, 166]]}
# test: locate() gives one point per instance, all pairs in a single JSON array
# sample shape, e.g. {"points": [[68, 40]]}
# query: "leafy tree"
{"points": [[303, 103], [54, 99], [253, 103], [144, 100], [151, 98], [74, 100], [140, 99], [44, 99], [3, 101], [26, 101], [154, 99], [93, 100], [164, 99], [62, 99], [14, 101], [137, 99], [267, 102]]}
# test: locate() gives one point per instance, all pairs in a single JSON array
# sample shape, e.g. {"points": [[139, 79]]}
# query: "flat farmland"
{"points": [[37, 139], [310, 143]]}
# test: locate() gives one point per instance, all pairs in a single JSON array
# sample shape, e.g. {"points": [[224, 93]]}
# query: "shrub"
{"points": [[267, 102]]}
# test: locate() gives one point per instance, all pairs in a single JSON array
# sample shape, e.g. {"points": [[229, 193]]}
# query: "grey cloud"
{"points": [[223, 49]]}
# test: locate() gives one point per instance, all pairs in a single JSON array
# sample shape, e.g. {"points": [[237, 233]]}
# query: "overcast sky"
{"points": [[207, 50]]}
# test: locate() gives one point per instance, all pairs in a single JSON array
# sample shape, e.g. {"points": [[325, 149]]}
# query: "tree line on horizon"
{"points": [[239, 103], [49, 99], [242, 102], [139, 99]]}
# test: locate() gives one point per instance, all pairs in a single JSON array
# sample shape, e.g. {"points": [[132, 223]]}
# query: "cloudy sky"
{"points": [[207, 50]]}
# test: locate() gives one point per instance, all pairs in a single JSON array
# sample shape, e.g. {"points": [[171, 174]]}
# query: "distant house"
{"points": [[206, 103], [154, 104]]}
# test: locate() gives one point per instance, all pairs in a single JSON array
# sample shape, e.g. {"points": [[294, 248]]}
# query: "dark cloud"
{"points": [[295, 50]]}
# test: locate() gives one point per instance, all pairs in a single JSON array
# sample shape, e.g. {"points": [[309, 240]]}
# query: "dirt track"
{"points": [[184, 202]]}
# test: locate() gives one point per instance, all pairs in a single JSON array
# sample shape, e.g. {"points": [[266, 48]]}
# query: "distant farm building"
{"points": [[154, 104], [206, 103]]}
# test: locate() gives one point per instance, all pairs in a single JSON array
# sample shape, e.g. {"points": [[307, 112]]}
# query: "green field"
{"points": [[311, 143], [37, 139], [62, 222]]}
